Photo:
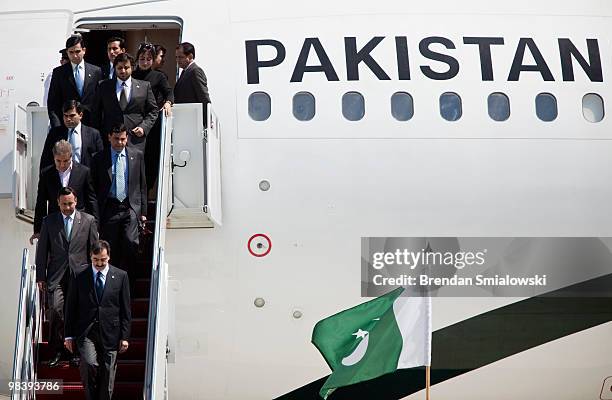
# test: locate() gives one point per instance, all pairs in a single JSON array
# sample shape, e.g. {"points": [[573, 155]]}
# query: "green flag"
{"points": [[374, 338]]}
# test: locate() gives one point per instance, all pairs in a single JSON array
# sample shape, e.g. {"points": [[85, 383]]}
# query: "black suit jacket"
{"points": [[141, 110], [91, 143], [106, 71], [63, 88], [102, 175], [55, 253], [113, 311], [159, 84], [49, 185], [192, 87]]}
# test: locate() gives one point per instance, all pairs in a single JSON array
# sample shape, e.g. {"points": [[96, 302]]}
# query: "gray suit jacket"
{"points": [[54, 253], [141, 110]]}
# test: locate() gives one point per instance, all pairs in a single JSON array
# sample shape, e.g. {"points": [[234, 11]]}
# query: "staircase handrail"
{"points": [[155, 386], [28, 333]]}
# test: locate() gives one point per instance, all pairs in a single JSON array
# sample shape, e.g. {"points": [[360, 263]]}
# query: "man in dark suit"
{"points": [[120, 182], [64, 244], [98, 319], [127, 101], [54, 177], [76, 80], [85, 141], [191, 87], [114, 46]]}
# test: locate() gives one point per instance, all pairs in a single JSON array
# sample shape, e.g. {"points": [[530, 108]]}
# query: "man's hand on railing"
{"points": [[34, 236], [167, 109], [123, 346], [69, 343], [42, 285]]}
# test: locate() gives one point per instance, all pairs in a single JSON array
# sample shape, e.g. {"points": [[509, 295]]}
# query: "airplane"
{"points": [[331, 122]]}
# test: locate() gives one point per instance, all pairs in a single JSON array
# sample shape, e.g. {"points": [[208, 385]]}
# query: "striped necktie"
{"points": [[123, 101]]}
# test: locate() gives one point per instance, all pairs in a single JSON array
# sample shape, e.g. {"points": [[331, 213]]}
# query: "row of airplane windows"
{"points": [[402, 106]]}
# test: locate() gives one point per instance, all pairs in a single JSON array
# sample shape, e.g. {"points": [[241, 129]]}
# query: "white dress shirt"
{"points": [[128, 89], [65, 176]]}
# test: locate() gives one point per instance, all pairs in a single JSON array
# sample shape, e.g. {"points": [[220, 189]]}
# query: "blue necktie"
{"points": [[68, 227], [99, 286], [120, 193], [78, 78], [76, 150]]}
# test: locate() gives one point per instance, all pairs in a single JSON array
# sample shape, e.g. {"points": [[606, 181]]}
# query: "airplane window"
{"points": [[450, 106], [353, 106], [546, 107], [303, 106], [402, 107], [499, 106], [593, 107], [260, 106]]}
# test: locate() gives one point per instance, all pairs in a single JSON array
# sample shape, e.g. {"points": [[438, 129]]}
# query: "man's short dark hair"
{"points": [[98, 246], [70, 104], [118, 129], [66, 191], [116, 39], [74, 40], [187, 48], [123, 57]]}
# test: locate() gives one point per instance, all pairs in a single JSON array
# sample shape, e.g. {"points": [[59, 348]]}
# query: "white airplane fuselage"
{"points": [[333, 181]]}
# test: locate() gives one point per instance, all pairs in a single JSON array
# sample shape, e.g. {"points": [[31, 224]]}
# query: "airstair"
{"points": [[142, 369]]}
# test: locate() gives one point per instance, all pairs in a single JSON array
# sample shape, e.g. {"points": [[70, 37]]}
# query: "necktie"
{"points": [[99, 286], [120, 178], [76, 150], [68, 227], [123, 101], [78, 78]]}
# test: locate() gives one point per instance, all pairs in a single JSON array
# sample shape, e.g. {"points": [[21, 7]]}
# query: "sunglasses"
{"points": [[146, 46]]}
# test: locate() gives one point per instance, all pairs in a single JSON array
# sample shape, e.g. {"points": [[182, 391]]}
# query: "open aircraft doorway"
{"points": [[164, 31]]}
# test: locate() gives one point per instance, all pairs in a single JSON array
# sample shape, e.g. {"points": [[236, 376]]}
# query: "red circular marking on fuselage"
{"points": [[266, 238]]}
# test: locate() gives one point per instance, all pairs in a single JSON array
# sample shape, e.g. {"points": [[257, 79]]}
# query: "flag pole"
{"points": [[427, 376]]}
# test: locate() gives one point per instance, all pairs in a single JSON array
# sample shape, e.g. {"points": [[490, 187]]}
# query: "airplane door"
{"points": [[27, 61], [30, 130], [196, 177], [213, 168], [21, 166]]}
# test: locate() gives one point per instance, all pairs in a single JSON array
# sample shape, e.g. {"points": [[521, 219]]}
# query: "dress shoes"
{"points": [[54, 361]]}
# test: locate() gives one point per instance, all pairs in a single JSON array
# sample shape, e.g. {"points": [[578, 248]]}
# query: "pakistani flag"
{"points": [[374, 338]]}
